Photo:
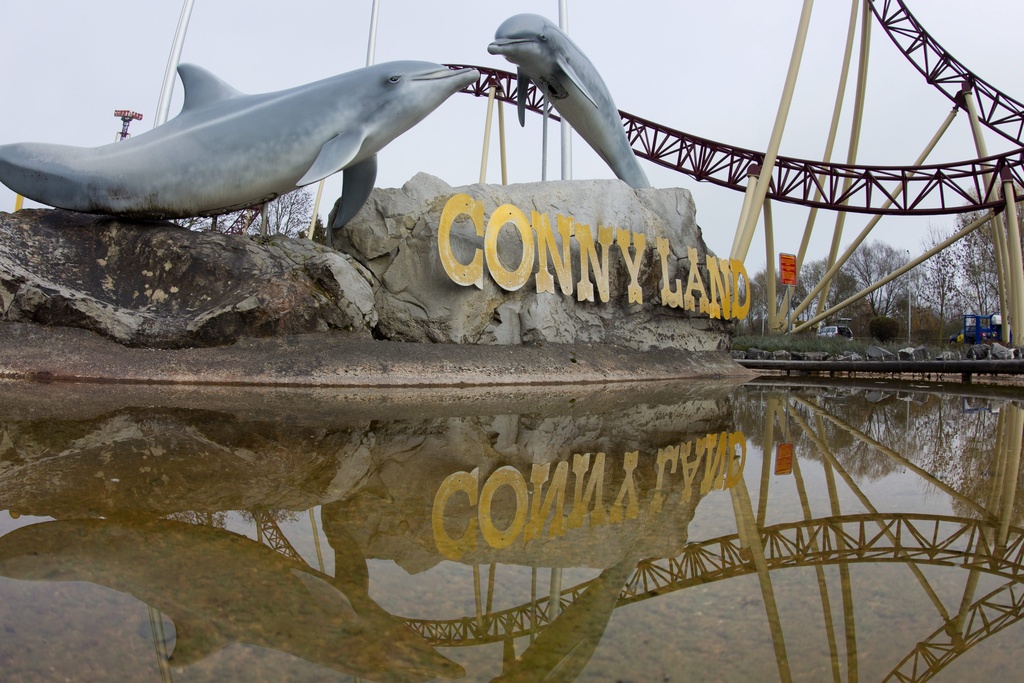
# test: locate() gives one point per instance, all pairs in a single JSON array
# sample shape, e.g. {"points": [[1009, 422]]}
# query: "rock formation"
{"points": [[154, 284]]}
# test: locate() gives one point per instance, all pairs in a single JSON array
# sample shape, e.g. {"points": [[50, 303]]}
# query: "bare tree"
{"points": [[287, 215], [869, 264]]}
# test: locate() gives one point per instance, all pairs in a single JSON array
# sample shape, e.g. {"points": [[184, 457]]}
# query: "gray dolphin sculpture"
{"points": [[227, 150], [219, 588], [545, 55]]}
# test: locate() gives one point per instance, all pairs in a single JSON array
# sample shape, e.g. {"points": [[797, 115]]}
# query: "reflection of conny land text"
{"points": [[716, 293], [716, 461]]}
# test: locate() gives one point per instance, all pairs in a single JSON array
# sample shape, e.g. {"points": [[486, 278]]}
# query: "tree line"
{"points": [[935, 295]]}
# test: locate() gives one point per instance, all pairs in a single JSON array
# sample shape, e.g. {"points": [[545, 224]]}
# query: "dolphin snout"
{"points": [[499, 47]]}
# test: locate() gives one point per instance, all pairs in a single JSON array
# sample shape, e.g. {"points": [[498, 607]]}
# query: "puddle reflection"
{"points": [[774, 530]]}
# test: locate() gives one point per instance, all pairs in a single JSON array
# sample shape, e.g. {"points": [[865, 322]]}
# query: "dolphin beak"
{"points": [[498, 47], [466, 74]]}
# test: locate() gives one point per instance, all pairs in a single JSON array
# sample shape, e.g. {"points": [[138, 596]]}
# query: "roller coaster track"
{"points": [[864, 538], [933, 189], [998, 111]]}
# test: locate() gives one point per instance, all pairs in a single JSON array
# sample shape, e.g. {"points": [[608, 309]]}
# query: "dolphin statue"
{"points": [[545, 55], [227, 150], [219, 588]]}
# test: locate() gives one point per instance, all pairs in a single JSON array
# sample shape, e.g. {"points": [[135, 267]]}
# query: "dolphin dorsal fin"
{"points": [[202, 88]]}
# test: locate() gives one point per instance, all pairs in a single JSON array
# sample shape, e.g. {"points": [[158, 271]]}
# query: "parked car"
{"points": [[835, 331]]}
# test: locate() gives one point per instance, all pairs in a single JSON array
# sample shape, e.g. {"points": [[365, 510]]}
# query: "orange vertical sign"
{"points": [[784, 458], [787, 269]]}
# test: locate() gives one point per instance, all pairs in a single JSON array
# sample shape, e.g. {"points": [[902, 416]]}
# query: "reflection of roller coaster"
{"points": [[987, 544]]}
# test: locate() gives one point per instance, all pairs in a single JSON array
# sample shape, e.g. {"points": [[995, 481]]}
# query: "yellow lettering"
{"points": [[594, 489], [546, 244], [509, 280], [690, 466], [668, 297], [739, 311], [670, 456], [628, 488], [588, 257], [556, 497], [622, 238], [465, 274], [468, 483], [694, 283], [717, 291], [503, 476], [732, 477]]}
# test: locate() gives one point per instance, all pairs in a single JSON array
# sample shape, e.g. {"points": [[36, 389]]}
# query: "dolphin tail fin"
{"points": [[567, 67], [522, 84], [355, 190]]}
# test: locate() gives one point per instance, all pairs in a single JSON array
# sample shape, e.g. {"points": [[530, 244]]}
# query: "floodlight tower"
{"points": [[126, 116]]}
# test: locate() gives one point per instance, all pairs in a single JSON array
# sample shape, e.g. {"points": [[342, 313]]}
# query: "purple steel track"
{"points": [[933, 189]]}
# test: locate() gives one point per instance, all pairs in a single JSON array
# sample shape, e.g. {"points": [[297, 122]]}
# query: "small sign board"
{"points": [[787, 269], [784, 458]]}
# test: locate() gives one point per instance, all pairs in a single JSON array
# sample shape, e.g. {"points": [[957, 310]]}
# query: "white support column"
{"points": [[563, 23], [164, 103]]}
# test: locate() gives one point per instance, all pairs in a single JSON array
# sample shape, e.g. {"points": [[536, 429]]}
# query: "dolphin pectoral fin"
{"points": [[195, 640], [325, 596], [522, 83], [355, 190], [335, 155], [576, 80]]}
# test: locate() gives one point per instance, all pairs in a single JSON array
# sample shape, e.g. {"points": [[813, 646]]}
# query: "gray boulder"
{"points": [[782, 354], [911, 353], [1000, 352], [159, 285], [849, 356], [396, 236], [759, 354], [978, 352], [878, 353]]}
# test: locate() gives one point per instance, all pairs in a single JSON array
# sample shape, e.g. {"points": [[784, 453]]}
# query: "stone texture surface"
{"points": [[158, 285], [395, 237], [152, 284]]}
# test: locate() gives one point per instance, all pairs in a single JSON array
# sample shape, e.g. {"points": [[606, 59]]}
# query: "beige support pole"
{"points": [[487, 133], [769, 271], [833, 130], [855, 129], [746, 230], [841, 261], [748, 200], [960, 234], [18, 202], [501, 142], [998, 236], [1016, 260], [316, 210]]}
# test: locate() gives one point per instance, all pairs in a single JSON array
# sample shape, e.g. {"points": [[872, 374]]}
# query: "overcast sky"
{"points": [[712, 69]]}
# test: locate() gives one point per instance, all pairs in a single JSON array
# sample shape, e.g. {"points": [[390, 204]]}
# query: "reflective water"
{"points": [[772, 531]]}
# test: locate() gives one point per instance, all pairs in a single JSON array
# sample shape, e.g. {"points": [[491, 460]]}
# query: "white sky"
{"points": [[712, 69]]}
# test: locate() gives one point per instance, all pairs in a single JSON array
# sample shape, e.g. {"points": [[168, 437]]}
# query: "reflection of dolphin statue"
{"points": [[220, 588], [227, 150], [563, 649], [546, 56]]}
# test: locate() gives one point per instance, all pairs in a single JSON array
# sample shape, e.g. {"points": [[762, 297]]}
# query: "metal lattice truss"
{"points": [[272, 536], [1000, 112], [996, 611], [912, 190], [863, 538]]}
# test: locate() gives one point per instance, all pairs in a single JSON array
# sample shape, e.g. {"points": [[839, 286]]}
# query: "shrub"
{"points": [[883, 328]]}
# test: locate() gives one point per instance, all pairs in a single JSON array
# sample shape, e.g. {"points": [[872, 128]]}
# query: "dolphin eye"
{"points": [[395, 79], [544, 37]]}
